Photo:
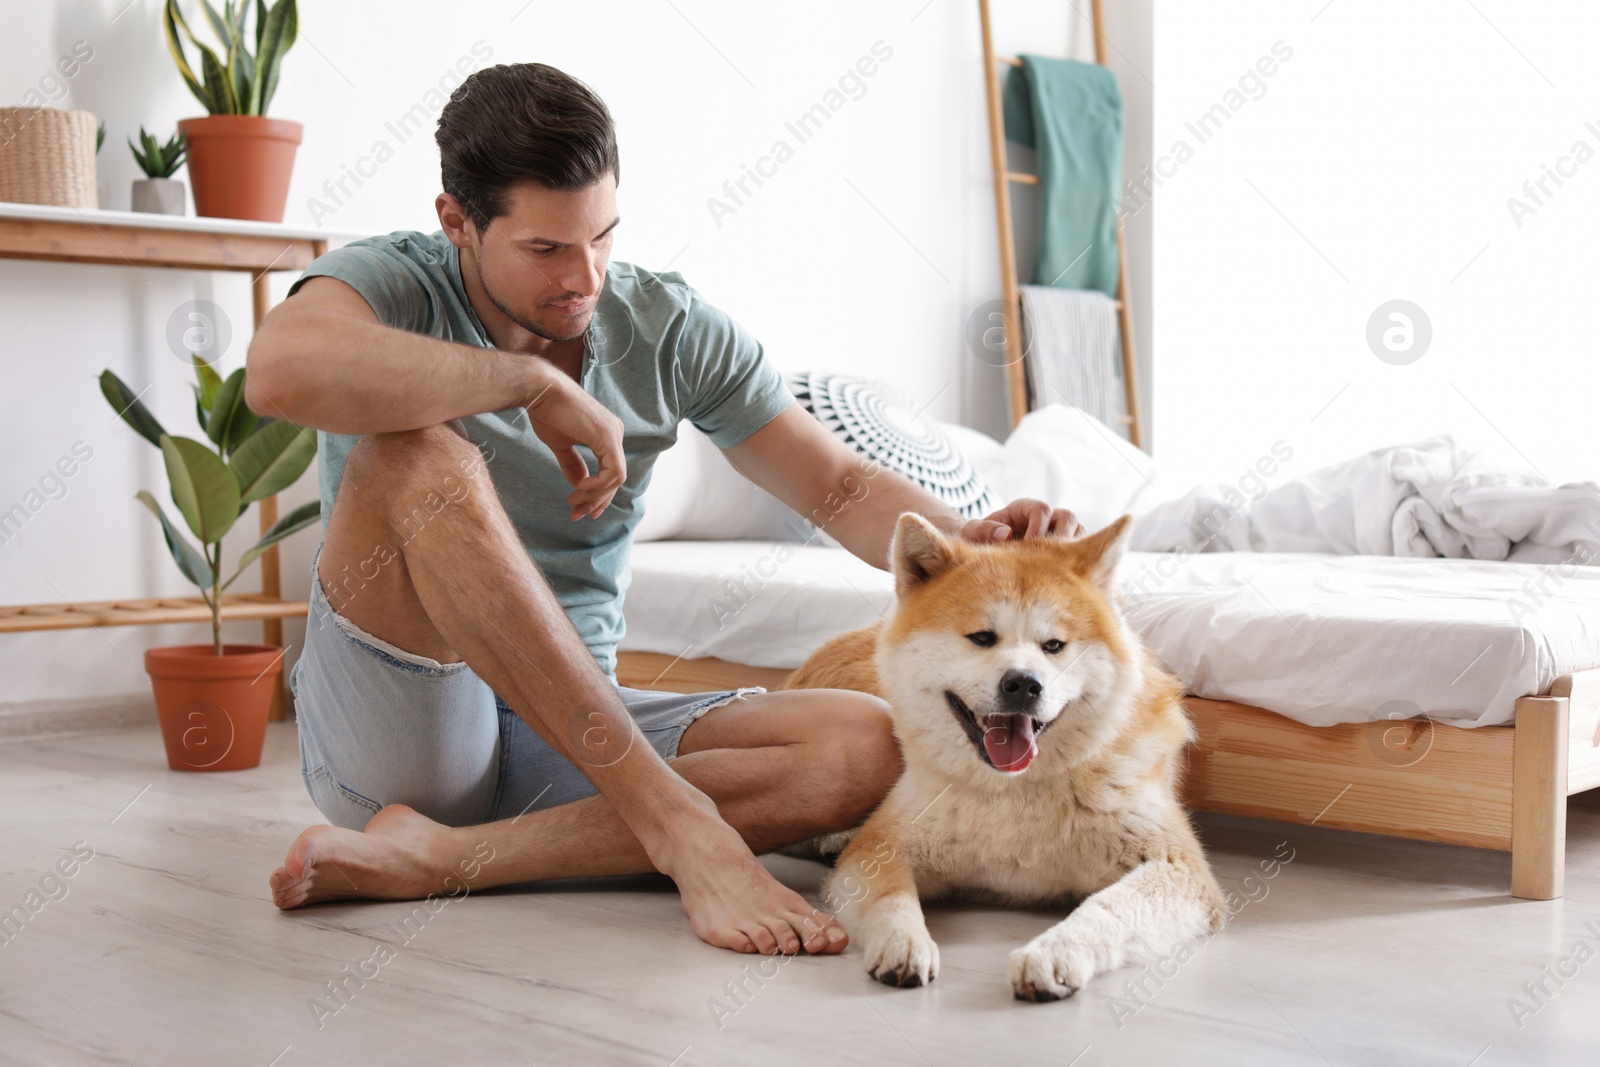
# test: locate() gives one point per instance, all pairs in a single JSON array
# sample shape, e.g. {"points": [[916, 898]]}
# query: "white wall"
{"points": [[1377, 165], [865, 252]]}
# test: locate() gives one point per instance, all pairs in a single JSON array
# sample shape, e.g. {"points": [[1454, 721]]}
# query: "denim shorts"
{"points": [[379, 725]]}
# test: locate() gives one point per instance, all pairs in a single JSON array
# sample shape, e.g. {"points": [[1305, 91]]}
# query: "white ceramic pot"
{"points": [[159, 196]]}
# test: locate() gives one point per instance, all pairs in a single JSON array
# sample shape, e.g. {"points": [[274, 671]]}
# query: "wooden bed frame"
{"points": [[1495, 787]]}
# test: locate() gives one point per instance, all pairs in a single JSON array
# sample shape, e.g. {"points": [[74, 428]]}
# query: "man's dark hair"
{"points": [[522, 122]]}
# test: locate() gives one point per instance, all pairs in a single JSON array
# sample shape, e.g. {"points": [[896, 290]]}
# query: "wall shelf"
{"points": [[172, 242], [151, 611]]}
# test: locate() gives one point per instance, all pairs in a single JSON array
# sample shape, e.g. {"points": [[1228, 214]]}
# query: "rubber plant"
{"points": [[249, 458]]}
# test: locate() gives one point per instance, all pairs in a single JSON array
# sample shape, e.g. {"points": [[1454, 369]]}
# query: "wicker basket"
{"points": [[47, 157]]}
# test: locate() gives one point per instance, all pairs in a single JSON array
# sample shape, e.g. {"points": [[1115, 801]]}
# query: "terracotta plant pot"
{"points": [[239, 165], [213, 708]]}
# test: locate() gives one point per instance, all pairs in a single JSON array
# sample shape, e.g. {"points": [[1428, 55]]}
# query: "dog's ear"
{"points": [[918, 553], [1096, 556]]}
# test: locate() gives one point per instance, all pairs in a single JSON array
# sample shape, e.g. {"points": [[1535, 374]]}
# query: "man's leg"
{"points": [[452, 582], [782, 768]]}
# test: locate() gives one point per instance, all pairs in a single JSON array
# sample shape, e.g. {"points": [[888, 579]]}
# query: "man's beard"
{"points": [[526, 324]]}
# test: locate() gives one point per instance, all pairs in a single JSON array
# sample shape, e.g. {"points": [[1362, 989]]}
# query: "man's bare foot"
{"points": [[394, 858], [732, 901]]}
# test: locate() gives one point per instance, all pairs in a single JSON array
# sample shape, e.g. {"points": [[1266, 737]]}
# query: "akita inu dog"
{"points": [[1042, 744]]}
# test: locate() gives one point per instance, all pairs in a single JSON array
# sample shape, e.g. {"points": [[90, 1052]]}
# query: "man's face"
{"points": [[543, 262]]}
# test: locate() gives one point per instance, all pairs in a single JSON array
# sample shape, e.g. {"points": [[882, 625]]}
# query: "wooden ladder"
{"points": [[1016, 379]]}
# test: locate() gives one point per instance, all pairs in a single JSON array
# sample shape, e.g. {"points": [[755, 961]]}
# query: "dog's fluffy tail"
{"points": [[824, 848]]}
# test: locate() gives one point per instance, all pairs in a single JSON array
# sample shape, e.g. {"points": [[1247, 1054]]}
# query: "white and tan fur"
{"points": [[1094, 818]]}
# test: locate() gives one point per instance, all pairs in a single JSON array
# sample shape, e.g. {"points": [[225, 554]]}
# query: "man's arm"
{"points": [[322, 359], [858, 502]]}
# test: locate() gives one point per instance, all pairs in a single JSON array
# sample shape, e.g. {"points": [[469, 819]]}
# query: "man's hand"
{"points": [[1023, 518], [565, 416]]}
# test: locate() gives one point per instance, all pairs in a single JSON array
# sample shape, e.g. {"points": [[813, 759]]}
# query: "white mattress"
{"points": [[1322, 639]]}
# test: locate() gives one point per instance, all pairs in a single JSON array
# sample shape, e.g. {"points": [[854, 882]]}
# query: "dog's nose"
{"points": [[1019, 690]]}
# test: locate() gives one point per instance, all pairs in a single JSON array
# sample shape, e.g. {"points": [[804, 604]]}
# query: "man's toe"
{"points": [[814, 932], [761, 937], [785, 934]]}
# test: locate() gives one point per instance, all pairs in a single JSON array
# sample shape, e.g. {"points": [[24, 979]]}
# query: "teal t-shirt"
{"points": [[656, 353]]}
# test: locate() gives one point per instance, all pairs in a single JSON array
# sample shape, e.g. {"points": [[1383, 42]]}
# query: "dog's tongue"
{"points": [[1009, 741]]}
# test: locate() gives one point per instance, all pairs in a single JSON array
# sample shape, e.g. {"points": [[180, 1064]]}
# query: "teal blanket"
{"points": [[1071, 114]]}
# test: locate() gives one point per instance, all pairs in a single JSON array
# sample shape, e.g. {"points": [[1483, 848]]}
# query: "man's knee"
{"points": [[412, 475], [412, 457], [863, 745]]}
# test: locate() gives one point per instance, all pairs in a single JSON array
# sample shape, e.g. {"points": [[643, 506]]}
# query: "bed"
{"points": [[1408, 697]]}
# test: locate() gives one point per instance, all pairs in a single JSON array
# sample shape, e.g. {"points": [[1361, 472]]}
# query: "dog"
{"points": [[1042, 745]]}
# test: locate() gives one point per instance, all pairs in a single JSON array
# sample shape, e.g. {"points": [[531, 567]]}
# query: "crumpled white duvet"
{"points": [[1426, 498]]}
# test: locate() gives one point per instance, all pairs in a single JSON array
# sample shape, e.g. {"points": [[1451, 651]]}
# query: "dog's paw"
{"points": [[902, 956], [1047, 970]]}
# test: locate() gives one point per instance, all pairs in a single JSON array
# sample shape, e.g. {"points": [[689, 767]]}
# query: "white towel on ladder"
{"points": [[1073, 352]]}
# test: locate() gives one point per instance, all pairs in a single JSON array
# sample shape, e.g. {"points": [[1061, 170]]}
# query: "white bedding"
{"points": [[1431, 497], [1425, 498], [1320, 638]]}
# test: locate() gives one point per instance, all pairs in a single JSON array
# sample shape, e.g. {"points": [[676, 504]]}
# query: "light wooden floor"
{"points": [[166, 950]]}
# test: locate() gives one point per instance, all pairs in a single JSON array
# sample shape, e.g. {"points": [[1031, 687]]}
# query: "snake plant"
{"points": [[235, 82], [253, 458]]}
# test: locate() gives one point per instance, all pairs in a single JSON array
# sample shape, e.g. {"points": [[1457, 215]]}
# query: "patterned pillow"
{"points": [[872, 417]]}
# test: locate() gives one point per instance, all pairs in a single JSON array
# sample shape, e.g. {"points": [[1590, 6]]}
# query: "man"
{"points": [[459, 713]]}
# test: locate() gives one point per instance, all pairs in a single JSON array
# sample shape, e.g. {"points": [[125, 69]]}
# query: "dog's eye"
{"points": [[983, 638], [1053, 645]]}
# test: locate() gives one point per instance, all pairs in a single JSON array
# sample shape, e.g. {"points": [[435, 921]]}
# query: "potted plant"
{"points": [[157, 192], [239, 160], [213, 699]]}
